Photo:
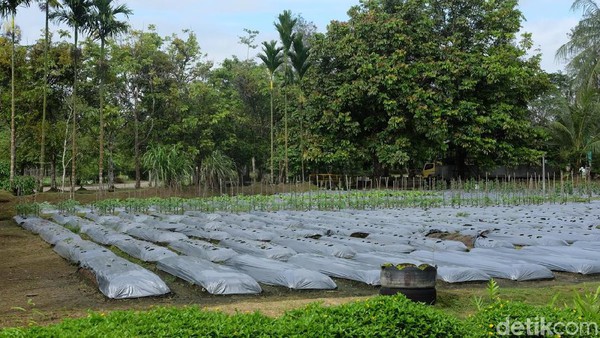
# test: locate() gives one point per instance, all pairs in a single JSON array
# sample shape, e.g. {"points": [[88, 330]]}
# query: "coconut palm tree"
{"points": [[272, 59], [300, 62], [74, 13], [44, 6], [104, 25], [285, 28], [575, 133], [584, 44], [8, 8]]}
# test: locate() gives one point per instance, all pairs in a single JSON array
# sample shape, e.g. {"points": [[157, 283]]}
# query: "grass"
{"points": [[460, 302]]}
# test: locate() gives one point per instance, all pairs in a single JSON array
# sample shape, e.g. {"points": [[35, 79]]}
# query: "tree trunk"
{"points": [[53, 186], [272, 134], [13, 138], [101, 137], [74, 131], [111, 169], [136, 146], [44, 102]]}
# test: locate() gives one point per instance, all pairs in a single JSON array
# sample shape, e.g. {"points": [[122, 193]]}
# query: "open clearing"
{"points": [[39, 287]]}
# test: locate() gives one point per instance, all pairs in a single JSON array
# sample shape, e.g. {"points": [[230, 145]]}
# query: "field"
{"points": [[39, 287]]}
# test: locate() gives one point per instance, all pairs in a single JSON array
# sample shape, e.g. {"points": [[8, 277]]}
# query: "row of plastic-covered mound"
{"points": [[303, 250]]}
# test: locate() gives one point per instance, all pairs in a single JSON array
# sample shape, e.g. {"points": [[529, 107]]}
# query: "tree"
{"points": [[272, 59], [403, 82], [74, 13], [249, 40], [584, 45], [575, 132], [45, 7], [8, 8], [285, 28], [141, 66], [300, 61], [104, 25]]}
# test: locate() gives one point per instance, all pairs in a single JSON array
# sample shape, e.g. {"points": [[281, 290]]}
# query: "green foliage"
{"points": [[393, 316], [28, 209], [22, 185], [378, 317], [378, 85], [588, 305], [217, 169], [490, 321], [168, 163]]}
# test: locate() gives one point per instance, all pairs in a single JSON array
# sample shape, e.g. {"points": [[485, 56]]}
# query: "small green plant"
{"points": [[28, 209], [462, 214], [588, 305], [493, 292], [33, 312]]}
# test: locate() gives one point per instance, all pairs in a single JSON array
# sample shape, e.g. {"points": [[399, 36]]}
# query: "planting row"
{"points": [[229, 253]]}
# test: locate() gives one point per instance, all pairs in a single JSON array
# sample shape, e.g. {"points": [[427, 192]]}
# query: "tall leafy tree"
{"points": [[285, 28], [272, 58], [104, 24], [8, 9], [455, 82], [74, 13]]}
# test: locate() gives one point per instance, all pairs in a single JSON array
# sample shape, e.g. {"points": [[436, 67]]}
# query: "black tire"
{"points": [[426, 296]]}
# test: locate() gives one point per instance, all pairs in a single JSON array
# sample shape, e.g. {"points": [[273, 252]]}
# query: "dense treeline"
{"points": [[402, 82]]}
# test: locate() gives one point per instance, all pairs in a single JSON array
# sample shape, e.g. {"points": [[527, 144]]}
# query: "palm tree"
{"points": [[104, 25], [75, 13], [9, 8], [272, 59], [45, 7], [285, 28], [575, 133], [299, 58], [584, 45]]}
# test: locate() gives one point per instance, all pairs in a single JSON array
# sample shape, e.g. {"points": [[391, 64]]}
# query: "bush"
{"points": [[508, 319], [23, 185], [383, 316]]}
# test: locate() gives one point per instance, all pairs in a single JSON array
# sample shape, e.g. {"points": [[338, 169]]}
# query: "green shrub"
{"points": [[382, 316], [508, 319], [23, 185], [161, 322]]}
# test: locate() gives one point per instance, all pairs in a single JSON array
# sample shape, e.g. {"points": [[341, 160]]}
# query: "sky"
{"points": [[218, 24]]}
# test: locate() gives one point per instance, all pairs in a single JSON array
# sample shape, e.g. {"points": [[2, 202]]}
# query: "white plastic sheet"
{"points": [[272, 272], [365, 245], [118, 278], [258, 248], [155, 235], [143, 250], [495, 267], [566, 259], [306, 245], [202, 249], [215, 279], [338, 267]]}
